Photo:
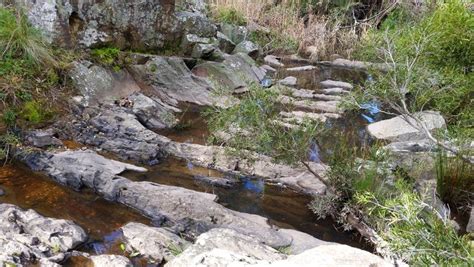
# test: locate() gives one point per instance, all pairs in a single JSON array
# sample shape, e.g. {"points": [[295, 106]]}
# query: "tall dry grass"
{"points": [[319, 36]]}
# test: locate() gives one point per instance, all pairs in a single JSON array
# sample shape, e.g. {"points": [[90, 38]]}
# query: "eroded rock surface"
{"points": [[26, 236], [402, 129]]}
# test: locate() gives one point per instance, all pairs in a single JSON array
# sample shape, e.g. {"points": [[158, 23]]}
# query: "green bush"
{"points": [[107, 56], [412, 232], [253, 125], [230, 16], [34, 112], [19, 40]]}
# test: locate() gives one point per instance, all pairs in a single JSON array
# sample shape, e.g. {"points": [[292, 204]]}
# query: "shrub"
{"points": [[107, 56], [19, 40], [230, 15], [412, 232]]}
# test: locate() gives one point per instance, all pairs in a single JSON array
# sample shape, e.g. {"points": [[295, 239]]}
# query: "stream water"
{"points": [[101, 219]]}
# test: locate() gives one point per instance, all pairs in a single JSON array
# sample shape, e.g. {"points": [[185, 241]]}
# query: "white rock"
{"points": [[398, 129], [110, 261], [302, 68], [332, 84]]}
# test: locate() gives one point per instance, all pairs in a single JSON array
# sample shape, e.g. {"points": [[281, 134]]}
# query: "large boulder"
{"points": [[151, 242], [221, 247], [235, 33], [126, 24], [98, 85], [402, 128], [173, 82], [249, 48], [26, 236]]}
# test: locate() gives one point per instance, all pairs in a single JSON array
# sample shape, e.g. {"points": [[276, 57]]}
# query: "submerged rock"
{"points": [[26, 236], [401, 129], [110, 260]]}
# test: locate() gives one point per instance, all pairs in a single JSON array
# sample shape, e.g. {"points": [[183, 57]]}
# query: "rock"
{"points": [[236, 71], [301, 69], [173, 82], [196, 6], [195, 23], [299, 116], [204, 51], [357, 65], [235, 33], [225, 43], [249, 48], [110, 260], [309, 94], [470, 224], [424, 145], [2, 192], [269, 69], [99, 85], [190, 41], [332, 255], [337, 84], [273, 61], [43, 138], [301, 241], [288, 81], [216, 181], [137, 25], [153, 113], [334, 91], [151, 242], [26, 236], [398, 129], [222, 247], [317, 106], [87, 169]]}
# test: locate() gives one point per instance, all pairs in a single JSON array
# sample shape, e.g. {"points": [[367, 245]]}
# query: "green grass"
{"points": [[230, 16], [107, 56]]}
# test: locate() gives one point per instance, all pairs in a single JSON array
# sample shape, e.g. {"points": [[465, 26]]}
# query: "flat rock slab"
{"points": [[273, 61], [26, 236], [317, 106], [152, 242], [401, 129], [221, 247], [336, 84], [288, 81], [110, 261], [301, 68], [308, 94]]}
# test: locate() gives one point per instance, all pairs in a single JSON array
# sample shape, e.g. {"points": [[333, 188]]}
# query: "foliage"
{"points": [[413, 231], [8, 142], [19, 40], [455, 181], [254, 125], [29, 70], [428, 65], [230, 15], [108, 56], [273, 40]]}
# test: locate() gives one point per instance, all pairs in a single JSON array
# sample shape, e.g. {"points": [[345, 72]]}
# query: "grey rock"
{"points": [[301, 241], [190, 41], [204, 51], [138, 24], [153, 113], [289, 81], [236, 71], [423, 145], [2, 192], [317, 106], [99, 85], [26, 236], [470, 224], [195, 23], [273, 61], [43, 138], [235, 33], [399, 128], [110, 260], [269, 69], [196, 6], [334, 91], [332, 255], [337, 84], [151, 242], [357, 65], [173, 82], [249, 48], [222, 247], [301, 68], [216, 181], [225, 43]]}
